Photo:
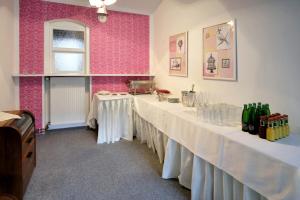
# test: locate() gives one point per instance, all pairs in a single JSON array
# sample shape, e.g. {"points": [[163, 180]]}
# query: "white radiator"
{"points": [[68, 102]]}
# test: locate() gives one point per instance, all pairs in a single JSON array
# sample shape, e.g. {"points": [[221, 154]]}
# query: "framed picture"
{"points": [[225, 63], [178, 54], [219, 52], [175, 64]]}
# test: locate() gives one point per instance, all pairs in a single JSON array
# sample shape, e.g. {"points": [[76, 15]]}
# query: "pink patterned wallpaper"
{"points": [[30, 97], [119, 46]]}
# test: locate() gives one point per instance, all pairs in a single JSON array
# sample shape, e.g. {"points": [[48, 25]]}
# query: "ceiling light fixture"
{"points": [[102, 11], [102, 14]]}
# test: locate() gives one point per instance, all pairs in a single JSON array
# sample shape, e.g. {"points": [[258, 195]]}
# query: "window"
{"points": [[66, 48]]}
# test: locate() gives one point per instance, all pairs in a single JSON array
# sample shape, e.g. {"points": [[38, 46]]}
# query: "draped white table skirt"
{"points": [[114, 117], [206, 181]]}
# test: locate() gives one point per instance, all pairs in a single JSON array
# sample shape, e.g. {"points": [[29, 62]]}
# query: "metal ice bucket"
{"points": [[188, 98]]}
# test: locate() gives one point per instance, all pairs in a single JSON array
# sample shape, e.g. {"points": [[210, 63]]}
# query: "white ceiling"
{"points": [[145, 7]]}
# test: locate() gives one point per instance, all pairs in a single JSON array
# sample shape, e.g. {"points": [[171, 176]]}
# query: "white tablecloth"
{"points": [[271, 169], [206, 181], [114, 116]]}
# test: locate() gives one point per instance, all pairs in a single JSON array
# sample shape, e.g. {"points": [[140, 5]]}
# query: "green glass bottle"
{"points": [[249, 106], [257, 118], [263, 110], [252, 119], [254, 105], [245, 118], [259, 104]]}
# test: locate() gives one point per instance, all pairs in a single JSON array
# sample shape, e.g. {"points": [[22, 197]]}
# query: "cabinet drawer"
{"points": [[28, 140], [28, 157], [28, 164]]}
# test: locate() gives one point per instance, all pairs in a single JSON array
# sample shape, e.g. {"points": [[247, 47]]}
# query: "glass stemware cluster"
{"points": [[208, 110]]}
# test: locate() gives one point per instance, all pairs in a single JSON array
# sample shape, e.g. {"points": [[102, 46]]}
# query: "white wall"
{"points": [[268, 47], [9, 54]]}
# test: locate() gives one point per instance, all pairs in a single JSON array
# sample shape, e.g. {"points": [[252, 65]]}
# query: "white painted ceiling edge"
{"points": [[145, 7]]}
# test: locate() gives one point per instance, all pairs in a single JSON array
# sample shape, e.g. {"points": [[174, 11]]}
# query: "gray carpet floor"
{"points": [[71, 166]]}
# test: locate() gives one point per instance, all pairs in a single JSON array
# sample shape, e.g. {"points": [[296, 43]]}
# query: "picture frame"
{"points": [[178, 52], [219, 52]]}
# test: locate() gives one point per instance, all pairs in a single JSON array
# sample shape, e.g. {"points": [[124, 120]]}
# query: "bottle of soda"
{"points": [[252, 120], [281, 131], [245, 118], [257, 118], [263, 110], [276, 127], [263, 127], [270, 130], [249, 106], [254, 105], [286, 126]]}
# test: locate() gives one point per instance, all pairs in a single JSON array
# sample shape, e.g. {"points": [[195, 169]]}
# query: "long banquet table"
{"points": [[205, 157]]}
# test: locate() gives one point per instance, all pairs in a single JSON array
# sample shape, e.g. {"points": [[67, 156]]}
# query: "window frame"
{"points": [[49, 50]]}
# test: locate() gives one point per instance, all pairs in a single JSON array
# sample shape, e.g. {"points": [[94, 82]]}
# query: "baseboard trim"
{"points": [[62, 126]]}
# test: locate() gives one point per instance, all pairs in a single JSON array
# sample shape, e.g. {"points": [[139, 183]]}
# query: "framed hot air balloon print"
{"points": [[178, 65]]}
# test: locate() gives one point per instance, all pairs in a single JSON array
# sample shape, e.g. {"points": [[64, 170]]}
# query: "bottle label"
{"points": [[251, 127]]}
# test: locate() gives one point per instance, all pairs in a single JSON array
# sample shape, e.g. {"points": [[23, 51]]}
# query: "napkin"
{"points": [[7, 116]]}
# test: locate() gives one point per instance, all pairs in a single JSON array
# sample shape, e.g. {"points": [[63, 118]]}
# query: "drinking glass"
{"points": [[205, 114]]}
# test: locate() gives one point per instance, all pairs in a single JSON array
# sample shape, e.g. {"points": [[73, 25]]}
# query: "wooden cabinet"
{"points": [[17, 153]]}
